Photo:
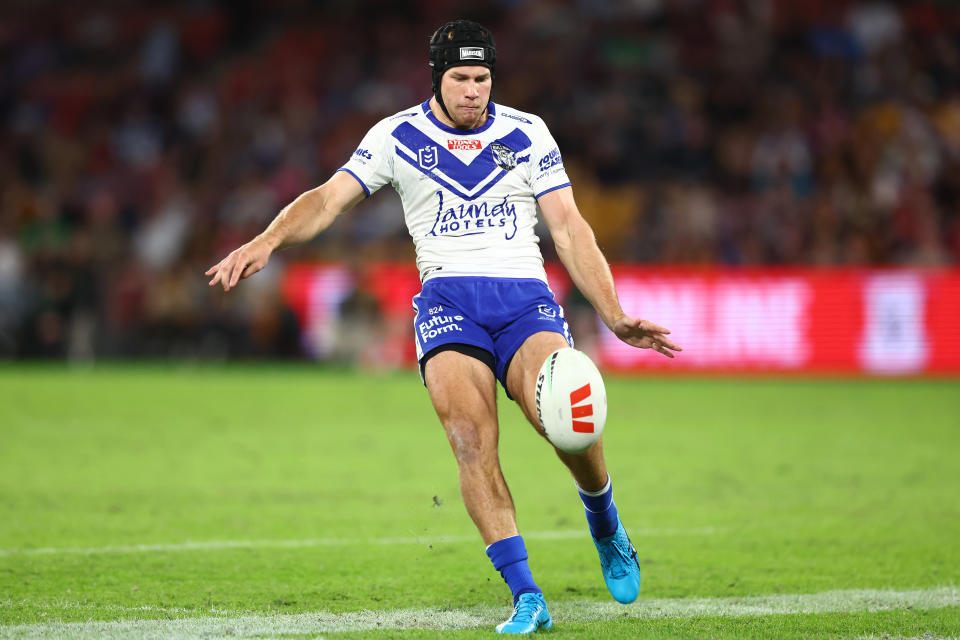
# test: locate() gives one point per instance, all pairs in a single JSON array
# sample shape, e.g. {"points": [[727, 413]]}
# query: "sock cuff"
{"points": [[507, 551], [597, 494], [598, 501]]}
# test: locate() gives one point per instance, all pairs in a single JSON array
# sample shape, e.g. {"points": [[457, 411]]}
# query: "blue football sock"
{"points": [[601, 511], [509, 557]]}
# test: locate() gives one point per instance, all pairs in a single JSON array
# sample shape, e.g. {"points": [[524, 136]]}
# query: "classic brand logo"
{"points": [[513, 116], [464, 145], [427, 157], [471, 53], [577, 396]]}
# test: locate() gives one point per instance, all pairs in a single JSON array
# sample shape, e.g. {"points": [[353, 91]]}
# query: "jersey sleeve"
{"points": [[546, 169], [372, 164]]}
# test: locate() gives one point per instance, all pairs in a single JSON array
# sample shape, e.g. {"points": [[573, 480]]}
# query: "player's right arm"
{"points": [[309, 214]]}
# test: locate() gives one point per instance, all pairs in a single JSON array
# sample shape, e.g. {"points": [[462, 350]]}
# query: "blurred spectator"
{"points": [[139, 146]]}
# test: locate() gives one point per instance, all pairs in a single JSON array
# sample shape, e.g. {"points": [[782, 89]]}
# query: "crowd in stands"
{"points": [[140, 143]]}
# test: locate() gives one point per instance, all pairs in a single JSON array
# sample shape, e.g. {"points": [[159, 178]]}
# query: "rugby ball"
{"points": [[571, 400]]}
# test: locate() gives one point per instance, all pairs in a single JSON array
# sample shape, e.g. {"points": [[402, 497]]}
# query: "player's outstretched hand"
{"points": [[645, 335], [241, 263]]}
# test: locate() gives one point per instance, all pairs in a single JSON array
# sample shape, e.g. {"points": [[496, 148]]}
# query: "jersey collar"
{"points": [[491, 115]]}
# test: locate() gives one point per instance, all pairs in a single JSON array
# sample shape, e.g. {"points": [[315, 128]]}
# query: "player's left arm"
{"points": [[577, 248]]}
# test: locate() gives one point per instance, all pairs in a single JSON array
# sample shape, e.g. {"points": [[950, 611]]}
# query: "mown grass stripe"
{"points": [[221, 545], [240, 626], [926, 636]]}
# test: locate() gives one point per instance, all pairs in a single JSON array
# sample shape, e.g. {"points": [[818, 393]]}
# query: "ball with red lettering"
{"points": [[571, 400]]}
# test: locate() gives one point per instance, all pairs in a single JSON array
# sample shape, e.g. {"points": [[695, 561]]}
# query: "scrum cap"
{"points": [[458, 44]]}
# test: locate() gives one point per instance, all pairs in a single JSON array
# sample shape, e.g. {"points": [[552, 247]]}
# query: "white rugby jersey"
{"points": [[469, 195]]}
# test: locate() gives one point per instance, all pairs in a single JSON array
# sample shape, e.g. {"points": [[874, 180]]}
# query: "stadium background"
{"points": [[795, 165]]}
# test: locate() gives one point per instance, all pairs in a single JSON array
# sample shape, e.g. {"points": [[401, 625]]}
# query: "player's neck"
{"points": [[444, 119]]}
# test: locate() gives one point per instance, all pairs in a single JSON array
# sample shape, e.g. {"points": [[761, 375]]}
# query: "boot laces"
{"points": [[526, 609], [615, 558]]}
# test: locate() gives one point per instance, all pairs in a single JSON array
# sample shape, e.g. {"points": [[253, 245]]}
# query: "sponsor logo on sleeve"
{"points": [[464, 145], [363, 153], [471, 53], [552, 159]]}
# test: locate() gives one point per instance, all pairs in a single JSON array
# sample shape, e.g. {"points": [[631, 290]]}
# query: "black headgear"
{"points": [[458, 44]]}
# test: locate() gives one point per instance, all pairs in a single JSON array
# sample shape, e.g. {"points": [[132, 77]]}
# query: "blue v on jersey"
{"points": [[469, 195]]}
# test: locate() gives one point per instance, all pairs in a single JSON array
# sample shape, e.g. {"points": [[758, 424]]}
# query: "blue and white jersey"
{"points": [[469, 195]]}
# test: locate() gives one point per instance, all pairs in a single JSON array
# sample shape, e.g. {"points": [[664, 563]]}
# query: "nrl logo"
{"points": [[427, 157], [504, 156]]}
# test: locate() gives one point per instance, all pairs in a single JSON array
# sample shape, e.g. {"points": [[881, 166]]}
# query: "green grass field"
{"points": [[298, 502]]}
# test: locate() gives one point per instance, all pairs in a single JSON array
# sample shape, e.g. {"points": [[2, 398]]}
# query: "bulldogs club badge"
{"points": [[504, 156]]}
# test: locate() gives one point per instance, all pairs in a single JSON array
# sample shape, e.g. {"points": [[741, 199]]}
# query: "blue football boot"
{"points": [[618, 560], [529, 615]]}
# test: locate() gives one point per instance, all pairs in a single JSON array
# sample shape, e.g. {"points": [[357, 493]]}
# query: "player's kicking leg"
{"points": [[463, 392], [618, 557]]}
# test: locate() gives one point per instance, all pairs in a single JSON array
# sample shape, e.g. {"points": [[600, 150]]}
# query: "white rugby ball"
{"points": [[571, 400]]}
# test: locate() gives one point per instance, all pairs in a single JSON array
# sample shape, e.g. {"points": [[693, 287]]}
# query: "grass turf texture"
{"points": [[730, 488]]}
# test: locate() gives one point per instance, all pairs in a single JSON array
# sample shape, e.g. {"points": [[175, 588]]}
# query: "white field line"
{"points": [[219, 545], [318, 622], [65, 605]]}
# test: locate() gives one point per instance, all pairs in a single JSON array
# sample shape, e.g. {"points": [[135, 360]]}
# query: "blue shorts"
{"points": [[493, 314]]}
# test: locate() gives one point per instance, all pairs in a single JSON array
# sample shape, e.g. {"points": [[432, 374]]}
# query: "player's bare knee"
{"points": [[470, 445]]}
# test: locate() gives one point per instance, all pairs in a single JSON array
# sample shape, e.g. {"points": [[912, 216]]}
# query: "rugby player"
{"points": [[471, 175]]}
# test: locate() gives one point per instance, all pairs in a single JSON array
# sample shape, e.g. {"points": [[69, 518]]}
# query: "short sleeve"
{"points": [[546, 171], [372, 164]]}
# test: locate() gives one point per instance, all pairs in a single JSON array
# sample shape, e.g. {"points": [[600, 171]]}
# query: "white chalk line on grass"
{"points": [[318, 622], [220, 545], [66, 605]]}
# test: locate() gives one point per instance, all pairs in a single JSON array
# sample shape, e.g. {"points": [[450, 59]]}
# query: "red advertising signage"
{"points": [[882, 322]]}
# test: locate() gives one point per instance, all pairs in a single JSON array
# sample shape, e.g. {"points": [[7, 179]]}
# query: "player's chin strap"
{"points": [[443, 107]]}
